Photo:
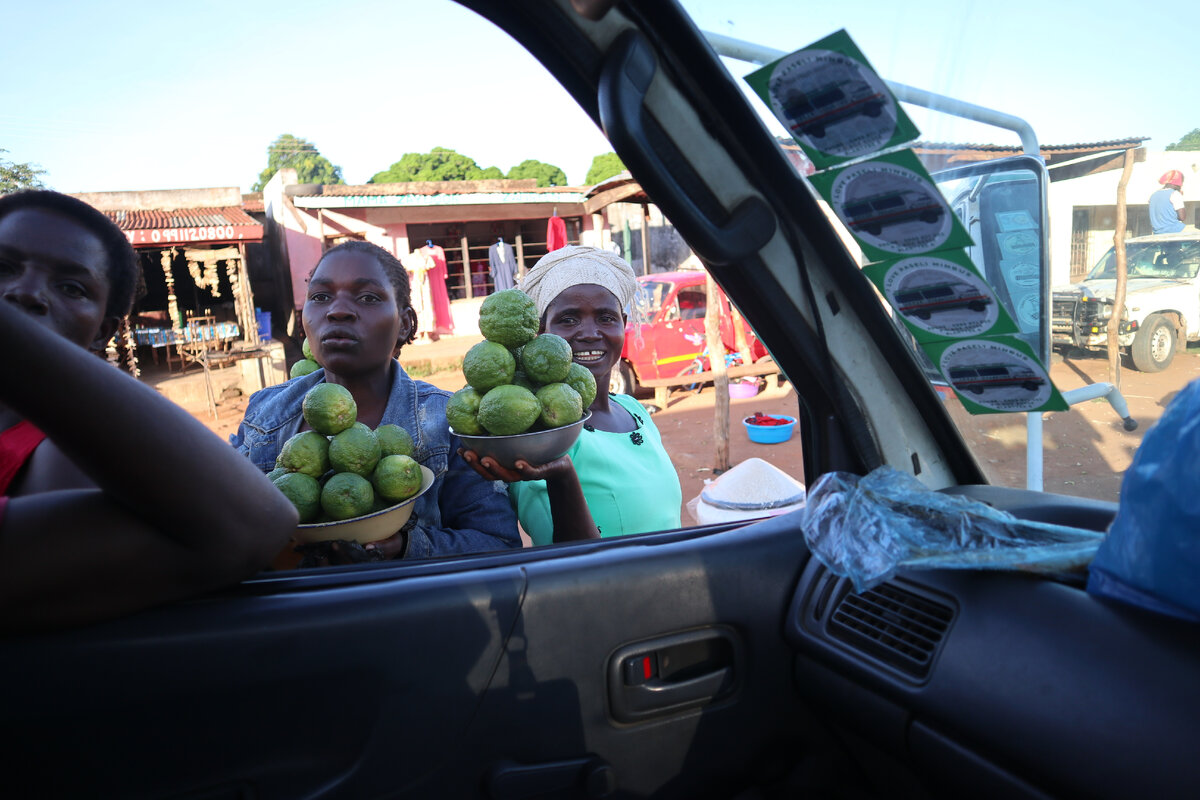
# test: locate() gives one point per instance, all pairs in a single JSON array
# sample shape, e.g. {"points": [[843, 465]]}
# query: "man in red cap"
{"points": [[1166, 205]]}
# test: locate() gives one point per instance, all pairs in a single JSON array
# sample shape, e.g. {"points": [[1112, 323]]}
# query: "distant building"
{"points": [[465, 218]]}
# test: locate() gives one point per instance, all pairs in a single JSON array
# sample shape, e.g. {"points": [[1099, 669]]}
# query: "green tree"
{"points": [[1190, 141], [440, 164], [604, 166], [546, 174], [302, 156], [15, 175]]}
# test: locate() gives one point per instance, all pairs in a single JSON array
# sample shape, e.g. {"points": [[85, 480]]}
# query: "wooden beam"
{"points": [[716, 360], [385, 216], [1118, 308], [466, 257], [1093, 165], [645, 239], [610, 196]]}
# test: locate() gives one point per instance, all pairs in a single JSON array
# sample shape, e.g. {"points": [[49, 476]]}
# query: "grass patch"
{"points": [[424, 367]]}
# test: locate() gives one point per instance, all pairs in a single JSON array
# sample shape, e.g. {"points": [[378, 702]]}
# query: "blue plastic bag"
{"points": [[866, 528], [1151, 557]]}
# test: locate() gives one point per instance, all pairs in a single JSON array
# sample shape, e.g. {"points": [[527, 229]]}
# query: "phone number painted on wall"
{"points": [[212, 233]]}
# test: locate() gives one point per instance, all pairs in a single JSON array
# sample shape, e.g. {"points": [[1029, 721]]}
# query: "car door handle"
{"points": [[673, 673], [658, 694], [656, 162]]}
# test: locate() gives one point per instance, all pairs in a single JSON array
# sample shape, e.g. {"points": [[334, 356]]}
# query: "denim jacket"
{"points": [[461, 512]]}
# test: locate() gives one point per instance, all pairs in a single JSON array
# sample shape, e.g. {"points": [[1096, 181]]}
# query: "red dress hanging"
{"points": [[556, 233], [443, 321]]}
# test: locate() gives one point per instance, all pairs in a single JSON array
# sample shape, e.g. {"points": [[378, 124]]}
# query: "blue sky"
{"points": [[149, 95]]}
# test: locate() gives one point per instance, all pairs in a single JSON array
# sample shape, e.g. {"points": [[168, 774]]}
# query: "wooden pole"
{"points": [[1118, 307], [739, 334], [716, 359], [466, 257], [646, 239]]}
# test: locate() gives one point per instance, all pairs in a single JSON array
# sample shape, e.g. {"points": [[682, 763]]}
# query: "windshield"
{"points": [[1152, 260], [650, 301], [952, 49]]}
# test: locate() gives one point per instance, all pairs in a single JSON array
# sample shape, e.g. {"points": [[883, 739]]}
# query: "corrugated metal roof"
{"points": [[1081, 148], [490, 186], [392, 200], [180, 218]]}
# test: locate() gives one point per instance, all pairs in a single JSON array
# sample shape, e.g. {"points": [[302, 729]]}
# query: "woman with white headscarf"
{"points": [[616, 479]]}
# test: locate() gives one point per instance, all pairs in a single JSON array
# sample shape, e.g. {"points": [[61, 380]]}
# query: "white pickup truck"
{"points": [[1162, 301]]}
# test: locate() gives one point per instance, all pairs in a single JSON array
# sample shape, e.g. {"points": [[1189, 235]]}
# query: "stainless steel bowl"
{"points": [[369, 527], [536, 447]]}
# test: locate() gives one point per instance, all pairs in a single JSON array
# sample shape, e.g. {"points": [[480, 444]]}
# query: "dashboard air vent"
{"points": [[898, 627]]}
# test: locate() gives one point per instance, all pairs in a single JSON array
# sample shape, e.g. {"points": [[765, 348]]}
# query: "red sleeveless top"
{"points": [[16, 446]]}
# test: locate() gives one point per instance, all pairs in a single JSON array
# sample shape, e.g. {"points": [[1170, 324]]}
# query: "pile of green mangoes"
{"points": [[518, 380], [342, 469]]}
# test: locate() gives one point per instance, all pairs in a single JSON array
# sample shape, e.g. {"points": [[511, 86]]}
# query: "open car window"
{"points": [[836, 371]]}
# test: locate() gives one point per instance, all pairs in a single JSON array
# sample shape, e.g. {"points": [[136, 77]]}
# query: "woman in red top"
{"points": [[115, 508]]}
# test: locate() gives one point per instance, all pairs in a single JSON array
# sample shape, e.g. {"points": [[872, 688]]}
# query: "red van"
{"points": [[674, 305]]}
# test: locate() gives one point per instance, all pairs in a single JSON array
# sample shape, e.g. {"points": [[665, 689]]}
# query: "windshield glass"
{"points": [[954, 49], [650, 300], [1152, 260]]}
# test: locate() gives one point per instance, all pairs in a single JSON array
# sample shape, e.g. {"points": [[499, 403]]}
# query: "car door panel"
{"points": [[295, 692], [408, 685], [579, 613]]}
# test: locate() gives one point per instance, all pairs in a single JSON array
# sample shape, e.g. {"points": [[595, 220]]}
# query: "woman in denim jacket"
{"points": [[357, 316]]}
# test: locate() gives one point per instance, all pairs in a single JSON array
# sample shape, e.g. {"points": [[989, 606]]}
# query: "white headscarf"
{"points": [[572, 265]]}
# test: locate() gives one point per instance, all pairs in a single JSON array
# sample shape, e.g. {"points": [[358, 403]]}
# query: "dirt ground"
{"points": [[1086, 449]]}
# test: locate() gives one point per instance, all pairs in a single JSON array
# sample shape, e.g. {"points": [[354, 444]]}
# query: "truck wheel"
{"points": [[1154, 345], [624, 381]]}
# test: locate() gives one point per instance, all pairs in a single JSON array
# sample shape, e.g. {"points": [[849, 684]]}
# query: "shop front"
{"points": [[459, 240], [195, 302]]}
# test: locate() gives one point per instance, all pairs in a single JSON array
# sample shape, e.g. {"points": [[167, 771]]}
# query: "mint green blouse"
{"points": [[627, 479]]}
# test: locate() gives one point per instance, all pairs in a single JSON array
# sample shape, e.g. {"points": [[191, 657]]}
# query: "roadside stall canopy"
{"points": [[151, 228]]}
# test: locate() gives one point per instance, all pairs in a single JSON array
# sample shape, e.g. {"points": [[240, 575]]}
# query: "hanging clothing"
{"points": [[556, 233], [479, 273], [418, 265], [502, 264], [443, 322]]}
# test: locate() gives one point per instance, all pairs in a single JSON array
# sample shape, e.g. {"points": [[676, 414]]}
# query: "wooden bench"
{"points": [[662, 386]]}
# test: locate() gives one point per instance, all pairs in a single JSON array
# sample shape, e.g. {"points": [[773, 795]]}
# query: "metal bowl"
{"points": [[369, 527], [536, 447]]}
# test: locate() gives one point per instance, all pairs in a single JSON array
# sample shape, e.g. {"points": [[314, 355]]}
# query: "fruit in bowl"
{"points": [[348, 481], [525, 398]]}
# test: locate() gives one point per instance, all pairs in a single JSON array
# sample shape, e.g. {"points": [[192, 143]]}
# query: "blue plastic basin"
{"points": [[770, 434]]}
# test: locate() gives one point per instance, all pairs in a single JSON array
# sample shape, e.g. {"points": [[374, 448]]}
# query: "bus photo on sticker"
{"points": [[891, 208], [832, 103], [996, 376], [946, 303]]}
